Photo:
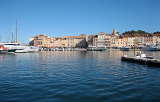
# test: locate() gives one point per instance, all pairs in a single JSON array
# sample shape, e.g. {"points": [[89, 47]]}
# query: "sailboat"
{"points": [[17, 47]]}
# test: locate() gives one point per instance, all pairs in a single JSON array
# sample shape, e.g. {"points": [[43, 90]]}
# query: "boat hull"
{"points": [[124, 49], [149, 49], [96, 49], [7, 51], [3, 51]]}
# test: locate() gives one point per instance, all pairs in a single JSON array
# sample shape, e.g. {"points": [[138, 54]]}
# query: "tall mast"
{"points": [[0, 37], [12, 40], [16, 32]]}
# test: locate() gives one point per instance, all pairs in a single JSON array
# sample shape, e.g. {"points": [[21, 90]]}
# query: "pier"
{"points": [[144, 61]]}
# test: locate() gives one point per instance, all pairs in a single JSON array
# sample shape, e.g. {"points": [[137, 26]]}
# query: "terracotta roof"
{"points": [[77, 37]]}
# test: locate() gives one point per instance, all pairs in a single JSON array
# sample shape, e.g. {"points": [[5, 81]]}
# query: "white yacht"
{"points": [[20, 48], [17, 47]]}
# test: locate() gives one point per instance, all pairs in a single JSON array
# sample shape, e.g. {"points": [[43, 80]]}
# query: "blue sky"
{"points": [[73, 17]]}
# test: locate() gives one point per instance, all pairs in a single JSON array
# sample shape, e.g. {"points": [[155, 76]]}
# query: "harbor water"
{"points": [[77, 76]]}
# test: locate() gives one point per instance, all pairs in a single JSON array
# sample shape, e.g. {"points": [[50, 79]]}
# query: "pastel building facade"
{"points": [[42, 40], [52, 42], [100, 40], [73, 41], [156, 39]]}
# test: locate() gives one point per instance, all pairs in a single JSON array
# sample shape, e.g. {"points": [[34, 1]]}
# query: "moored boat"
{"points": [[150, 48], [27, 49], [96, 49], [18, 48], [124, 48], [4, 50]]}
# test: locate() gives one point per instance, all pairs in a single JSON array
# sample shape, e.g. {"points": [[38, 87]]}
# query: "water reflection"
{"points": [[74, 76]]}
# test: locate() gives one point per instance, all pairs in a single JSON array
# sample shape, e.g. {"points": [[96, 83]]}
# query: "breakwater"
{"points": [[144, 61]]}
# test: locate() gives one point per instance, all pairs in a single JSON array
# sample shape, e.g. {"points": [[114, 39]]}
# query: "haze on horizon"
{"points": [[74, 17]]}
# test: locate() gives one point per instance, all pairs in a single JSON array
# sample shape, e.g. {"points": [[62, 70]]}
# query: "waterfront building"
{"points": [[114, 38], [125, 41], [138, 40], [73, 41], [51, 42], [148, 39], [64, 43], [90, 39], [130, 41], [108, 40], [101, 40], [42, 40], [57, 43], [156, 38], [121, 42]]}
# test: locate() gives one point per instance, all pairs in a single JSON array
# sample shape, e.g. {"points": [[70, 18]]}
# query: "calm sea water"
{"points": [[77, 77]]}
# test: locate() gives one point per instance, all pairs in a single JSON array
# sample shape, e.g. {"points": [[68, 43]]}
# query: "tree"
{"points": [[156, 32], [82, 44], [133, 32]]}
